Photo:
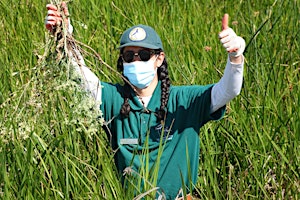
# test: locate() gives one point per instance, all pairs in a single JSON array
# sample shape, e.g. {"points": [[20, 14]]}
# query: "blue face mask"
{"points": [[140, 73]]}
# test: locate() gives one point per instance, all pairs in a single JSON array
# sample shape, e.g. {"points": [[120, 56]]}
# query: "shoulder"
{"points": [[190, 90], [111, 87], [112, 97], [114, 91]]}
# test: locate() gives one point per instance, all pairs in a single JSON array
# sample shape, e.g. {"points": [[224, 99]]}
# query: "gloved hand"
{"points": [[54, 17], [234, 45]]}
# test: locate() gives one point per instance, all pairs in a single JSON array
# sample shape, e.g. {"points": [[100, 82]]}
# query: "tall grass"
{"points": [[51, 148]]}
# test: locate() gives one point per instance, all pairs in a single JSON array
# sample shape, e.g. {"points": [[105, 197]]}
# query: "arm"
{"points": [[231, 83], [90, 81]]}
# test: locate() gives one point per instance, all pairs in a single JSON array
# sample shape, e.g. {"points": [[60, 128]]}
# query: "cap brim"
{"points": [[139, 44]]}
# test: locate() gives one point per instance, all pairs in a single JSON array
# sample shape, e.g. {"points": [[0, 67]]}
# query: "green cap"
{"points": [[141, 36]]}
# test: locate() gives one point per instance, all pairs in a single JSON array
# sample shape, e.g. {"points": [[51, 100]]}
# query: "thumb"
{"points": [[225, 22]]}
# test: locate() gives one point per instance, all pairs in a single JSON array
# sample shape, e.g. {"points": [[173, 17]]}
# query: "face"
{"points": [[137, 68]]}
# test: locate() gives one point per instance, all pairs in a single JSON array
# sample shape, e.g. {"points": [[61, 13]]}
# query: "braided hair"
{"points": [[163, 76]]}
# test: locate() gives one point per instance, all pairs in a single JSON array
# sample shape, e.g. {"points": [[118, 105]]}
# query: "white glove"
{"points": [[234, 45], [54, 17]]}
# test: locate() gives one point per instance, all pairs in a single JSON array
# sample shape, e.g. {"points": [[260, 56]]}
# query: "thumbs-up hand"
{"points": [[234, 45], [54, 17]]}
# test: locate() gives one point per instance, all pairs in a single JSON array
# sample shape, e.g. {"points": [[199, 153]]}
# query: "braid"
{"points": [[125, 109], [163, 75]]}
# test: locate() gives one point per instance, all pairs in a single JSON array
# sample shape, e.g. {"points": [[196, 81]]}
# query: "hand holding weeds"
{"points": [[54, 17]]}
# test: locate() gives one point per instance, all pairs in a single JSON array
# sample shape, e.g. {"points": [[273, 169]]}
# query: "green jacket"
{"points": [[188, 109]]}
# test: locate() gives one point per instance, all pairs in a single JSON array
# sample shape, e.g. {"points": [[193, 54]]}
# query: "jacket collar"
{"points": [[154, 103]]}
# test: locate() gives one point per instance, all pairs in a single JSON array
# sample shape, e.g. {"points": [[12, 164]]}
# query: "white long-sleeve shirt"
{"points": [[228, 87]]}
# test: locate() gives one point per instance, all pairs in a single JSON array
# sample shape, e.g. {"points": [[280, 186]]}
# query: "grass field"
{"points": [[53, 147]]}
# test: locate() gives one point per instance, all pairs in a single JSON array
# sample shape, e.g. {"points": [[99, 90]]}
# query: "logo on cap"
{"points": [[137, 34]]}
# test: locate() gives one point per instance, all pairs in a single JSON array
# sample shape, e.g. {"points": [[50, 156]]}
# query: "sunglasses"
{"points": [[144, 55]]}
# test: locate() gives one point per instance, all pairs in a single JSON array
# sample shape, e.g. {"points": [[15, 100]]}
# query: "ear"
{"points": [[160, 59]]}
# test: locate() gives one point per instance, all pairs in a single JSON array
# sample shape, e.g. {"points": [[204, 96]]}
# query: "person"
{"points": [[147, 112]]}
